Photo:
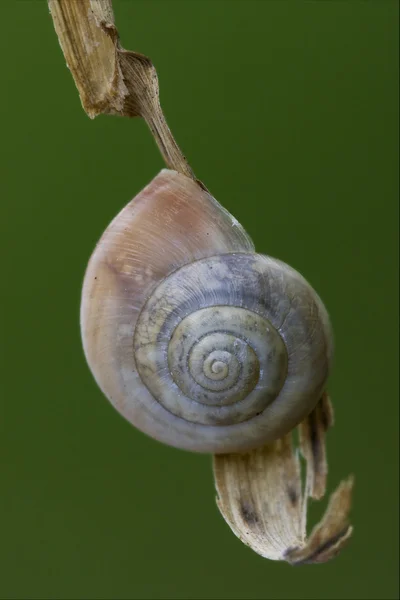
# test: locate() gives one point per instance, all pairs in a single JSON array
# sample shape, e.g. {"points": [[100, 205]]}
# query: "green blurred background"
{"points": [[287, 110]]}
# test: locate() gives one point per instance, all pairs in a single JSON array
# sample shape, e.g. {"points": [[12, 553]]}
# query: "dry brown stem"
{"points": [[109, 79], [261, 498]]}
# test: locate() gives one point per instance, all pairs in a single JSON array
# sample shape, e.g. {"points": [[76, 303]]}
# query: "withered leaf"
{"points": [[109, 79], [261, 498]]}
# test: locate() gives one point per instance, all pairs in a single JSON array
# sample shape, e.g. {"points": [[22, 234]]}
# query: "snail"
{"points": [[197, 340]]}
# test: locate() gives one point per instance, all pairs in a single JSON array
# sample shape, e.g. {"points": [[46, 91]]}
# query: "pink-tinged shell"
{"points": [[170, 223]]}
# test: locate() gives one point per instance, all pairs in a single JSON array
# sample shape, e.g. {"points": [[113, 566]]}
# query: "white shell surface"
{"points": [[175, 268], [171, 222]]}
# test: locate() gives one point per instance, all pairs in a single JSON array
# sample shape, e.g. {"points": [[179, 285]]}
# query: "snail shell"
{"points": [[195, 339]]}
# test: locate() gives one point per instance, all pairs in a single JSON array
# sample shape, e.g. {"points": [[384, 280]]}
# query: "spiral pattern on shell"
{"points": [[212, 343], [197, 340]]}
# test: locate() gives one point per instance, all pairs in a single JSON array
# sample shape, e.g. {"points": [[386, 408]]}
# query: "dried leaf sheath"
{"points": [[260, 496], [109, 79]]}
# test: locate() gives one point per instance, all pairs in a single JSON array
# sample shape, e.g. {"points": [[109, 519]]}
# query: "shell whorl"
{"points": [[205, 356], [197, 340]]}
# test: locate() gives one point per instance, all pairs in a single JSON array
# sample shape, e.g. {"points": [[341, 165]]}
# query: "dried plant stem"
{"points": [[109, 79], [261, 498]]}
